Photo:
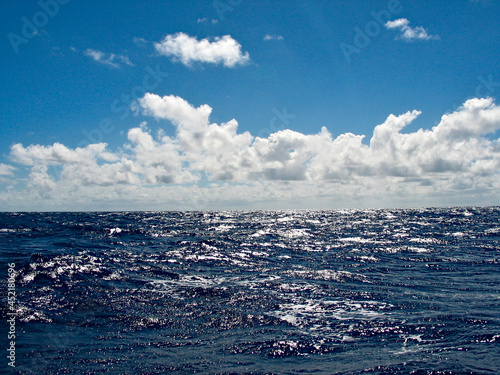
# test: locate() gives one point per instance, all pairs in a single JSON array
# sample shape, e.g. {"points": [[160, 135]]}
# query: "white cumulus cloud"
{"points": [[186, 49], [455, 144], [176, 110]]}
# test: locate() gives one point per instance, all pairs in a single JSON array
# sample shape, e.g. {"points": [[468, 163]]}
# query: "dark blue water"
{"points": [[254, 292]]}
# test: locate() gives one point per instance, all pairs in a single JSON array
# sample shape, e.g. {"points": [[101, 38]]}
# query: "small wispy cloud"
{"points": [[268, 37], [213, 21], [109, 59], [140, 42], [408, 33]]}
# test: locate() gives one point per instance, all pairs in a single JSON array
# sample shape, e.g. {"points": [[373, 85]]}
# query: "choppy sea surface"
{"points": [[254, 292]]}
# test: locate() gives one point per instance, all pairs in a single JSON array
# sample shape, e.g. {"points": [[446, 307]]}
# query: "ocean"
{"points": [[396, 291]]}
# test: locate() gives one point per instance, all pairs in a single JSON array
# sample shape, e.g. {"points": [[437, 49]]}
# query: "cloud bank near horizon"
{"points": [[212, 165]]}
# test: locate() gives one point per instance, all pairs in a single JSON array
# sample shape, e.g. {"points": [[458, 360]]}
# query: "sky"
{"points": [[239, 104]]}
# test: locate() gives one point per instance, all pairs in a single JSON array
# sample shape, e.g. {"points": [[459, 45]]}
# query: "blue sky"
{"points": [[75, 74]]}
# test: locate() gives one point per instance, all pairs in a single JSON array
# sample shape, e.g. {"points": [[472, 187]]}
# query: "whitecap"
{"points": [[115, 230], [294, 233]]}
